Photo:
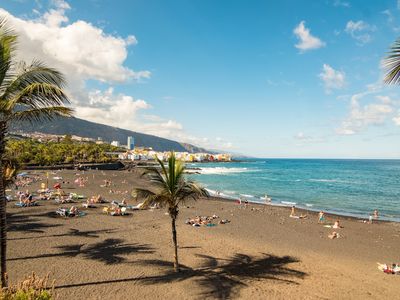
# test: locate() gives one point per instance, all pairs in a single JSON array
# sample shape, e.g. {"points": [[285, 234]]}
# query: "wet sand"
{"points": [[261, 254]]}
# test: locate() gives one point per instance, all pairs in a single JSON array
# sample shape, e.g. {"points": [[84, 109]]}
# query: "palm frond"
{"points": [[164, 170], [36, 73], [37, 95], [42, 114], [392, 64], [149, 197], [142, 193], [8, 41], [191, 191], [156, 178]]}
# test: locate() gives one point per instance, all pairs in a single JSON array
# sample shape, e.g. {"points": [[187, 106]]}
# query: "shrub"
{"points": [[32, 287]]}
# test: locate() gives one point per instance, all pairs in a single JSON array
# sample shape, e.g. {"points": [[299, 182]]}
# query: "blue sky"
{"points": [[263, 78]]}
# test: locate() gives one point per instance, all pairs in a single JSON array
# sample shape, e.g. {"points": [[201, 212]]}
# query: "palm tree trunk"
{"points": [[3, 206], [174, 239]]}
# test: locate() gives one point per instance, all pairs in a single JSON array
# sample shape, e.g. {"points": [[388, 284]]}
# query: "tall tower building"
{"points": [[131, 143]]}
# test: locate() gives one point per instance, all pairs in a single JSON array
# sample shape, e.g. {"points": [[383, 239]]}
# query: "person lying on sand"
{"points": [[198, 220], [299, 217], [393, 269], [88, 204], [96, 199], [337, 225], [334, 235], [294, 216], [71, 212], [224, 221]]}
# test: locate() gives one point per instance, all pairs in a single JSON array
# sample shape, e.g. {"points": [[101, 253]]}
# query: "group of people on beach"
{"points": [[336, 224], [25, 198], [24, 181], [205, 221]]}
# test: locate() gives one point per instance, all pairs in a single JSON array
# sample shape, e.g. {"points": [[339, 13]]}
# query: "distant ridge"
{"points": [[79, 127]]}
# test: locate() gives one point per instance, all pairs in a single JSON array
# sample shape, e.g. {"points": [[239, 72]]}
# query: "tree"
{"points": [[392, 64], [172, 190], [30, 93]]}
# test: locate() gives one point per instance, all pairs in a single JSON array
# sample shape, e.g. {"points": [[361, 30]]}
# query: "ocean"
{"points": [[345, 187]]}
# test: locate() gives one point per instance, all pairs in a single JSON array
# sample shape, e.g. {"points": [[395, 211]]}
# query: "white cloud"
{"points": [[79, 49], [338, 3], [306, 40], [360, 31], [307, 139], [396, 119], [119, 110], [333, 79], [362, 116], [83, 52], [389, 15]]}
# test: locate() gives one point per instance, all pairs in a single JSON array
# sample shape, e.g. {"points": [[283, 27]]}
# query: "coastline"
{"points": [[261, 253], [338, 187], [304, 209]]}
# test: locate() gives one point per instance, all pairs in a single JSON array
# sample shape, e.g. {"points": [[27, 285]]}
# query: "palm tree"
{"points": [[392, 64], [172, 190], [27, 93]]}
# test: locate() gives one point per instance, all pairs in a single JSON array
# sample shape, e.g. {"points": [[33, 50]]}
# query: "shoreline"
{"points": [[306, 209]]}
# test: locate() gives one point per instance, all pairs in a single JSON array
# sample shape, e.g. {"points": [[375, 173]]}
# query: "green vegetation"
{"points": [[31, 288], [28, 92], [51, 153], [172, 190]]}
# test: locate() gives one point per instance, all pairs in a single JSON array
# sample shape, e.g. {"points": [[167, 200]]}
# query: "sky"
{"points": [[275, 79]]}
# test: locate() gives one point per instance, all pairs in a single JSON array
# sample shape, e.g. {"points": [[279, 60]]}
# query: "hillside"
{"points": [[75, 126]]}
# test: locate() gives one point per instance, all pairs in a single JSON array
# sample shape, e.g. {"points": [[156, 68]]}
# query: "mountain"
{"points": [[79, 127]]}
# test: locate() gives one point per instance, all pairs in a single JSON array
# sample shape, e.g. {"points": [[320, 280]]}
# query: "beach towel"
{"points": [[20, 204], [76, 196]]}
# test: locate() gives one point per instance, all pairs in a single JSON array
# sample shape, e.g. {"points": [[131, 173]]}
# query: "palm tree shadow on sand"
{"points": [[27, 224], [224, 278], [108, 251]]}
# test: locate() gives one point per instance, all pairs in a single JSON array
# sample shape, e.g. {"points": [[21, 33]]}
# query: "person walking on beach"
{"points": [[321, 217], [376, 214]]}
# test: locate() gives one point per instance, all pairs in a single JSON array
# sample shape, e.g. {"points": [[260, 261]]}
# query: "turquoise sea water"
{"points": [[347, 187]]}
